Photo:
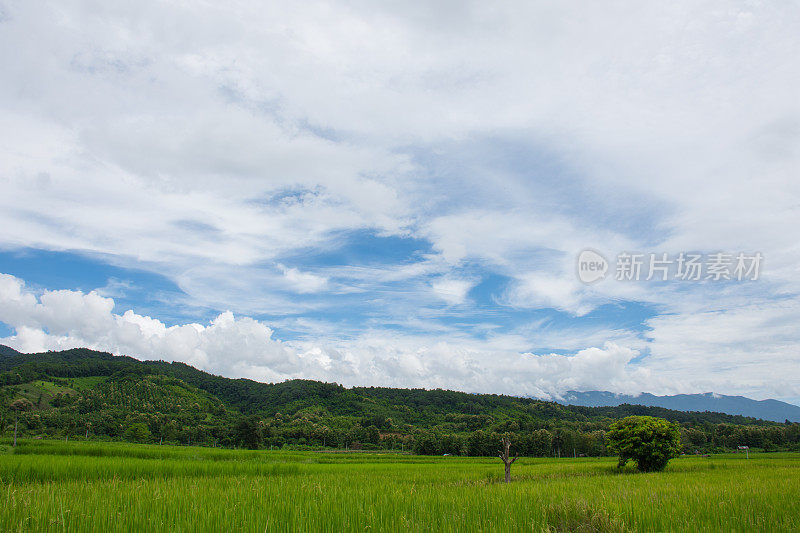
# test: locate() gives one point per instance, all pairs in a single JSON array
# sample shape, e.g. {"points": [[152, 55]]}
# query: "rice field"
{"points": [[57, 486]]}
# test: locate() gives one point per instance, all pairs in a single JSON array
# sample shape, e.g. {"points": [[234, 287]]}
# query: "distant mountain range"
{"points": [[774, 410]]}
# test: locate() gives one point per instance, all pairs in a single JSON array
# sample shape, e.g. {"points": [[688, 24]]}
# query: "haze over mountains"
{"points": [[774, 410]]}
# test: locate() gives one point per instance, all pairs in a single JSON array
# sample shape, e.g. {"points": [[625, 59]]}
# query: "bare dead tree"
{"points": [[505, 455]]}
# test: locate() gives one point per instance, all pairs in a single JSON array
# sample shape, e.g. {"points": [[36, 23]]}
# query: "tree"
{"points": [[506, 457], [138, 432], [648, 441], [22, 404], [248, 432], [425, 443]]}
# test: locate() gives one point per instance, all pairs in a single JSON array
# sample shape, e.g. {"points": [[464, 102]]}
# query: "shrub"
{"points": [[648, 441]]}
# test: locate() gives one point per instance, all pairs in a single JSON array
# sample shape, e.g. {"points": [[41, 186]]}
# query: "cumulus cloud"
{"points": [[242, 346], [68, 319], [758, 356]]}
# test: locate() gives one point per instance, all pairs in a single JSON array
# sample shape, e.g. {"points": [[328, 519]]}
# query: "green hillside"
{"points": [[83, 393]]}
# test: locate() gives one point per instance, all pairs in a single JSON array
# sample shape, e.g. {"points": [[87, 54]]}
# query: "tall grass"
{"points": [[56, 487]]}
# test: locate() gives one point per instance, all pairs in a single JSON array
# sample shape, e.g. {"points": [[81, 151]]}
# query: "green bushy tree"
{"points": [[248, 432], [138, 432], [648, 441]]}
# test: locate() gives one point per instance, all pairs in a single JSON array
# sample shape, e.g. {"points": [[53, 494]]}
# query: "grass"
{"points": [[57, 486]]}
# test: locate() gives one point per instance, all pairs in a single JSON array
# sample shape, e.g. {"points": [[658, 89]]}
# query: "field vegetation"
{"points": [[79, 486]]}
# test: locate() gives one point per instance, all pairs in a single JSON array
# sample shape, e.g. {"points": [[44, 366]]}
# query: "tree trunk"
{"points": [[505, 455], [16, 421]]}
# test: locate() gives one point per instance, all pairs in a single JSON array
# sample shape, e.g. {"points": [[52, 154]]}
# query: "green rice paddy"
{"points": [[78, 486]]}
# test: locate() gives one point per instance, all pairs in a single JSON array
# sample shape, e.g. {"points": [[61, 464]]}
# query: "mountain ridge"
{"points": [[8, 351], [770, 409], [250, 396]]}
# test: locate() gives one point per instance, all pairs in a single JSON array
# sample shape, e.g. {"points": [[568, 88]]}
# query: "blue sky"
{"points": [[397, 194], [152, 294]]}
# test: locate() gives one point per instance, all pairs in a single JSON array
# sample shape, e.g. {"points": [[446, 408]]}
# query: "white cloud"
{"points": [[154, 132], [751, 348], [67, 319], [452, 291], [303, 282], [208, 143], [246, 347], [537, 290]]}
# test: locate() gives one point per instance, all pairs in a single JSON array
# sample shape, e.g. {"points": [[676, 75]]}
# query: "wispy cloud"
{"points": [[452, 291], [452, 157]]}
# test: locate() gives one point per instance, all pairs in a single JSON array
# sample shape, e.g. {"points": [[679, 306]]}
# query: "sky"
{"points": [[397, 193]]}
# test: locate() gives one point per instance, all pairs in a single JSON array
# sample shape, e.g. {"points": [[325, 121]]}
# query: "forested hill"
{"points": [[87, 392], [5, 350], [414, 406]]}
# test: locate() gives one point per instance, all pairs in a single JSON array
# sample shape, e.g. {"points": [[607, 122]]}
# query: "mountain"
{"points": [[86, 393], [5, 350], [418, 407], [774, 410]]}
